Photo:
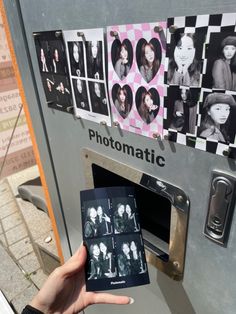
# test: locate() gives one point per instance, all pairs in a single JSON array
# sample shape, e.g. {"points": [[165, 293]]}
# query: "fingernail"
{"points": [[131, 300]]}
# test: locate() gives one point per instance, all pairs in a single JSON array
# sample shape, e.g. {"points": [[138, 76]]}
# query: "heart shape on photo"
{"points": [[122, 57], [147, 103], [122, 99], [148, 57]]}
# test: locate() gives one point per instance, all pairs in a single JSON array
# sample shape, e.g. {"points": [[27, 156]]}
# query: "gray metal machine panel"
{"points": [[209, 284]]}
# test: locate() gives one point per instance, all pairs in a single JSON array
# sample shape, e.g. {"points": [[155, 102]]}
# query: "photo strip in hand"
{"points": [[112, 235], [53, 68]]}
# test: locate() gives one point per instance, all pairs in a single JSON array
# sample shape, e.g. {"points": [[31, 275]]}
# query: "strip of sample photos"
{"points": [[199, 109], [86, 60], [53, 68], [112, 235], [136, 58]]}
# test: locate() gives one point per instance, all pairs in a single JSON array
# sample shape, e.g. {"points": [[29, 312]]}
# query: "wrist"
{"points": [[35, 303], [29, 309]]}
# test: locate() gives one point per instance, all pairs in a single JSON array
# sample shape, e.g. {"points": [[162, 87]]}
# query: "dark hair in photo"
{"points": [[194, 68]]}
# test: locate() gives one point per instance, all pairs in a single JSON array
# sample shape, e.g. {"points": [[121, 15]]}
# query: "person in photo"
{"points": [[130, 220], [63, 94], [216, 112], [147, 108], [184, 114], [81, 98], [49, 88], [76, 58], [224, 68], [57, 62], [98, 99], [183, 68], [91, 227], [95, 269], [107, 261], [94, 60], [122, 103], [122, 65], [124, 260], [119, 218], [103, 222], [149, 62], [43, 60], [137, 266]]}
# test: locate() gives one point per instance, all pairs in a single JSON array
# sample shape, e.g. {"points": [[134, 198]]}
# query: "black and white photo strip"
{"points": [[201, 53], [53, 68], [112, 235], [86, 60]]}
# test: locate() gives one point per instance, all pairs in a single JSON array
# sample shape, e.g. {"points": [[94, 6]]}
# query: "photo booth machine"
{"points": [[186, 196]]}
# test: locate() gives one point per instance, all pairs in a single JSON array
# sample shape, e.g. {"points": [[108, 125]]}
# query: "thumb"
{"points": [[75, 263]]}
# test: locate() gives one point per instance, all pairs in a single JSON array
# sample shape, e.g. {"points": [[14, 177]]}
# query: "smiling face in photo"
{"points": [[184, 51], [149, 53]]}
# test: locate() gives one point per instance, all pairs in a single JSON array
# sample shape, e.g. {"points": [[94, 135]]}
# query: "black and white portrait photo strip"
{"points": [[216, 129], [53, 68], [86, 59], [184, 55], [180, 112], [111, 229], [220, 53], [125, 218], [215, 123], [131, 259]]}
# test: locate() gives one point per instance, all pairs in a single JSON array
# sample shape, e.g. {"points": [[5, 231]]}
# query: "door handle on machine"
{"points": [[220, 209]]}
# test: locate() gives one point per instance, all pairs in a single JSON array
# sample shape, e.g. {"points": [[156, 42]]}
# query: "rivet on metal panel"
{"points": [[158, 29], [116, 123], [180, 198], [156, 136], [81, 34], [103, 123], [58, 33], [226, 152], [69, 109], [173, 29], [176, 264], [114, 34]]}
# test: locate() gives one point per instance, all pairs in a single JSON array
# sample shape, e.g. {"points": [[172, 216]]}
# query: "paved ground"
{"points": [[21, 275]]}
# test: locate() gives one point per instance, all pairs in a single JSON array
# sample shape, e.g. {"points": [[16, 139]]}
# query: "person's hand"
{"points": [[108, 219], [125, 60], [64, 291]]}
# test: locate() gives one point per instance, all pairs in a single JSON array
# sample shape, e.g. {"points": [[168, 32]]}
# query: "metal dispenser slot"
{"points": [[220, 209], [164, 223]]}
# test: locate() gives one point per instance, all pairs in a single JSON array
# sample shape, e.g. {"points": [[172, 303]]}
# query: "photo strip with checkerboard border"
{"points": [[200, 74]]}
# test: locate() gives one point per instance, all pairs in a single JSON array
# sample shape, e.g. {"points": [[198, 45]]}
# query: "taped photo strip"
{"points": [[112, 236], [86, 58], [51, 55], [136, 58], [205, 46]]}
